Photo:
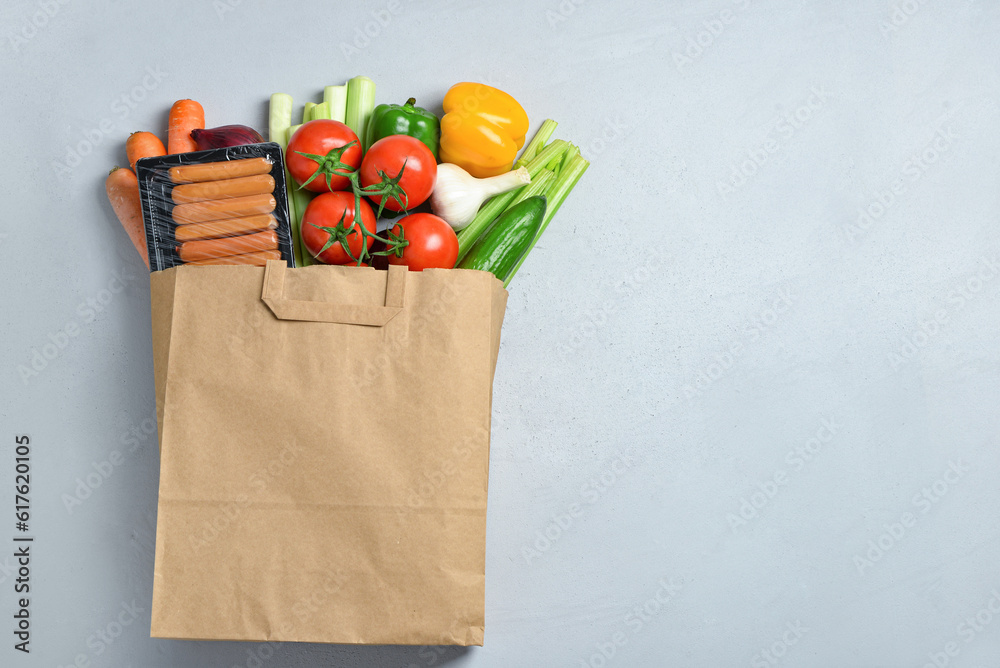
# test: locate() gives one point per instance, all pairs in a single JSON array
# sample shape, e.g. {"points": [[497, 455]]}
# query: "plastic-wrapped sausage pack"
{"points": [[220, 206]]}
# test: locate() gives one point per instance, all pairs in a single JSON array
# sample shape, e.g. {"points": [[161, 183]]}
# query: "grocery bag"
{"points": [[324, 452]]}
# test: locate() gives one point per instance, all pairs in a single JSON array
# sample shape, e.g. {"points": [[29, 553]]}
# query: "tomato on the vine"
{"points": [[330, 218], [390, 155], [320, 153], [430, 242]]}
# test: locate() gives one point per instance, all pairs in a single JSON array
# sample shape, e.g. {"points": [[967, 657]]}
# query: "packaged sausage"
{"points": [[220, 206]]}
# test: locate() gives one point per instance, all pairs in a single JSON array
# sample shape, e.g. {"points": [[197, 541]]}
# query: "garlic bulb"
{"points": [[457, 195]]}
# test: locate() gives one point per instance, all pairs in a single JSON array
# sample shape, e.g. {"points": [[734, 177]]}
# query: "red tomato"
{"points": [[388, 155], [325, 140], [432, 243], [327, 211]]}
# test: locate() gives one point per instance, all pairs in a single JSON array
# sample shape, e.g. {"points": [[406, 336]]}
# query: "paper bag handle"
{"points": [[348, 314]]}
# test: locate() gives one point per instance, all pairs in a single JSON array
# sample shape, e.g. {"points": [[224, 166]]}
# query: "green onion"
{"points": [[500, 203], [307, 112], [335, 98], [278, 122], [556, 195], [360, 104], [300, 197], [536, 143]]}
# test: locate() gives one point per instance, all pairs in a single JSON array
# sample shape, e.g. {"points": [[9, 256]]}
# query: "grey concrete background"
{"points": [[738, 420]]}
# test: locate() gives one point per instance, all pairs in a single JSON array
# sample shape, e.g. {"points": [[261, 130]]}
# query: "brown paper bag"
{"points": [[324, 437]]}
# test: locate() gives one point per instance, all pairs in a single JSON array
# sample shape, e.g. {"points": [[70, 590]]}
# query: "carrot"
{"points": [[185, 116], [143, 145], [123, 193]]}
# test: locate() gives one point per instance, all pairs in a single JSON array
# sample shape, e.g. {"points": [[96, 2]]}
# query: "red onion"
{"points": [[226, 135]]}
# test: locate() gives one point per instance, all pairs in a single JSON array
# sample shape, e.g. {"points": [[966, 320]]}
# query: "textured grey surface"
{"points": [[706, 344]]}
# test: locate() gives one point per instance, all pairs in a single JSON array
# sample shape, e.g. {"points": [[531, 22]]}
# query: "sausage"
{"points": [[241, 187], [216, 171], [257, 258], [228, 227], [207, 249], [217, 209]]}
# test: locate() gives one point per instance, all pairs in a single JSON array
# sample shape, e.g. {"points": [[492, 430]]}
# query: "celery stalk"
{"points": [[556, 195], [300, 197], [321, 110], [571, 153], [542, 159], [360, 104], [307, 112], [537, 186], [279, 118], [499, 203], [536, 143], [278, 122], [553, 164], [335, 98]]}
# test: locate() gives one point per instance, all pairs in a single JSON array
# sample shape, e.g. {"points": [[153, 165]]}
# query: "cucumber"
{"points": [[502, 245]]}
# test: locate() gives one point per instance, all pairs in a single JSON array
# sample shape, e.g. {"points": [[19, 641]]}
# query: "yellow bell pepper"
{"points": [[482, 130]]}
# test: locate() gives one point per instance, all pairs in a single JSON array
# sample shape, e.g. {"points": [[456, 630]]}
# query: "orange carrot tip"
{"points": [[185, 116], [143, 145]]}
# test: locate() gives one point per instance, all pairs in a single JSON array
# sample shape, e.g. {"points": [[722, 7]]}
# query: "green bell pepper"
{"points": [[404, 119]]}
